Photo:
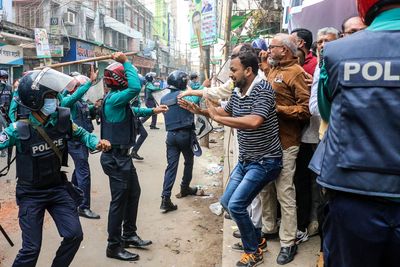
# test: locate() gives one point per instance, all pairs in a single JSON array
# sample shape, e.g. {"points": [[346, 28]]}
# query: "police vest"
{"points": [[83, 118], [120, 134], [176, 117], [37, 163], [361, 151], [5, 95]]}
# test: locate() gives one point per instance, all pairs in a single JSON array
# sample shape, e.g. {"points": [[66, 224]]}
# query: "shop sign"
{"points": [[11, 54]]}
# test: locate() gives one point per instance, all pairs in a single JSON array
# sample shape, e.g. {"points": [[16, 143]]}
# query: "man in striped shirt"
{"points": [[251, 110]]}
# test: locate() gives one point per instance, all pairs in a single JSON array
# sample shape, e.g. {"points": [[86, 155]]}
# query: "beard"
{"points": [[239, 83], [273, 62]]}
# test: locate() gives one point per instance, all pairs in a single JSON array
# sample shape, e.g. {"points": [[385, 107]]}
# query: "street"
{"points": [[190, 236]]}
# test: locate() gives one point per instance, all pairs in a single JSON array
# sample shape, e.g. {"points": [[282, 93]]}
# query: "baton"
{"points": [[6, 236], [58, 65]]}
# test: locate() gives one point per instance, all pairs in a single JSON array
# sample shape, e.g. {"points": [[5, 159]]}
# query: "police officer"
{"points": [[41, 143], [138, 112], [358, 161], [149, 99], [117, 125], [179, 124], [5, 91], [81, 115], [194, 81]]}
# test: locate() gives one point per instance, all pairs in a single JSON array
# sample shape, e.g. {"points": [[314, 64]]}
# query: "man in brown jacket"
{"points": [[292, 95]]}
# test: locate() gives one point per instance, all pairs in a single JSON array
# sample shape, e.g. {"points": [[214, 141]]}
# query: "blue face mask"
{"points": [[49, 106]]}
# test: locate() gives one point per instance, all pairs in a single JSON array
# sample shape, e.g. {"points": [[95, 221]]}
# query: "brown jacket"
{"points": [[292, 96]]}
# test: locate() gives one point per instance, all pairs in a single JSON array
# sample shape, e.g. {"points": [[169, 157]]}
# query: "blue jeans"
{"points": [[246, 181]]}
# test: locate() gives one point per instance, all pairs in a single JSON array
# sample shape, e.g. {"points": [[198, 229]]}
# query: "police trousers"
{"points": [[81, 174], [32, 205], [178, 141], [125, 193], [361, 231]]}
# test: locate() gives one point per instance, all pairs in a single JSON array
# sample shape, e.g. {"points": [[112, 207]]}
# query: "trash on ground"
{"points": [[213, 169], [216, 208]]}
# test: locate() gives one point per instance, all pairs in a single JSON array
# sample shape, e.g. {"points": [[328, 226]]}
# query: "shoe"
{"points": [[135, 155], [251, 260], [301, 236], [270, 236], [135, 242], [87, 213], [262, 245], [313, 228], [187, 191], [154, 127], [286, 255], [167, 205], [227, 216], [121, 254], [237, 234]]}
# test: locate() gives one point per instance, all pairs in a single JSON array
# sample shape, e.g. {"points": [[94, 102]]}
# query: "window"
{"points": [[90, 29]]}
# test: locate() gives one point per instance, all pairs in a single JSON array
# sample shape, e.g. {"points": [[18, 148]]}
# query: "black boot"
{"points": [[135, 155], [187, 191], [167, 205]]}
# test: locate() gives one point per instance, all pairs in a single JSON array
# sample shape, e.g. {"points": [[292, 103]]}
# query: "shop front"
{"points": [[11, 60]]}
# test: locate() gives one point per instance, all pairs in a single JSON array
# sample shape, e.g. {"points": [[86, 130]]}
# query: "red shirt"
{"points": [[310, 63]]}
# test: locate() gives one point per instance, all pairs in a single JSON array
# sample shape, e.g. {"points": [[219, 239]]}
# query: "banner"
{"points": [[42, 43], [203, 21]]}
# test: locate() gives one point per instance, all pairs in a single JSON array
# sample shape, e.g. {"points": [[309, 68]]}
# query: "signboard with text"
{"points": [[11, 54], [203, 21]]}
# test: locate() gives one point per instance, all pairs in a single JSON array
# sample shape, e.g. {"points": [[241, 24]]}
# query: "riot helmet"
{"points": [[36, 84], [150, 77], [80, 80], [178, 80], [369, 9], [193, 76], [114, 76], [3, 74]]}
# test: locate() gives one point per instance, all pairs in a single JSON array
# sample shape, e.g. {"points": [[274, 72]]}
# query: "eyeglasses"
{"points": [[270, 47]]}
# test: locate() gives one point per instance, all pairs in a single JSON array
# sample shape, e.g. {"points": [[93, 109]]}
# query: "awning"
{"points": [[114, 24]]}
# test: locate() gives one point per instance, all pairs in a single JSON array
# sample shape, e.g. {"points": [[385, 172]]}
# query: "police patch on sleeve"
{"points": [[3, 137]]}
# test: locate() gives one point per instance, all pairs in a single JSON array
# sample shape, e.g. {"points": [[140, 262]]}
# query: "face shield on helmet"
{"points": [[114, 76], [36, 84]]}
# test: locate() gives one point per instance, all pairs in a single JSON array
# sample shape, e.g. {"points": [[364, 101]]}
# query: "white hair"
{"points": [[289, 41], [328, 30]]}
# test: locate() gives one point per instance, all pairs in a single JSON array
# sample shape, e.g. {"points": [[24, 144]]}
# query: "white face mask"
{"points": [[49, 106]]}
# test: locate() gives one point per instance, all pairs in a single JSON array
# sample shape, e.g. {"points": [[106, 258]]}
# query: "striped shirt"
{"points": [[263, 141]]}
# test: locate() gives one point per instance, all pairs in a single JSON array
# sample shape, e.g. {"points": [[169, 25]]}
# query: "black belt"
{"points": [[119, 151]]}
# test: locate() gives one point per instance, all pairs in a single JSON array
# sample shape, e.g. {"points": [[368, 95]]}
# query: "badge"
{"points": [[278, 78], [3, 137]]}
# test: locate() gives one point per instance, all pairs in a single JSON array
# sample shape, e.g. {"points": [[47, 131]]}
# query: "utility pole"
{"points": [[228, 23], [205, 73]]}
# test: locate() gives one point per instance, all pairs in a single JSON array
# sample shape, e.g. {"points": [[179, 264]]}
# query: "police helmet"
{"points": [[34, 85], [74, 74], [149, 77], [114, 76], [3, 74], [193, 75], [260, 44], [369, 9], [178, 79]]}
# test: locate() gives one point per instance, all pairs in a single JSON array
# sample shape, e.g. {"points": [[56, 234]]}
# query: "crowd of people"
{"points": [[310, 161]]}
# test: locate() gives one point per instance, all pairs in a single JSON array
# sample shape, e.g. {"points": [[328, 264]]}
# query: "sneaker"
{"points": [[320, 260], [251, 260], [286, 254], [301, 236], [261, 246], [313, 228]]}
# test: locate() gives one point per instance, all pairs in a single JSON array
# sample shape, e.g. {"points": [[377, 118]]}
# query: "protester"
{"points": [[149, 99], [292, 94], [251, 110], [304, 41]]}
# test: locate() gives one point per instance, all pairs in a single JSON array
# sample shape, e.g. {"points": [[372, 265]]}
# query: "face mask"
{"points": [[49, 106]]}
